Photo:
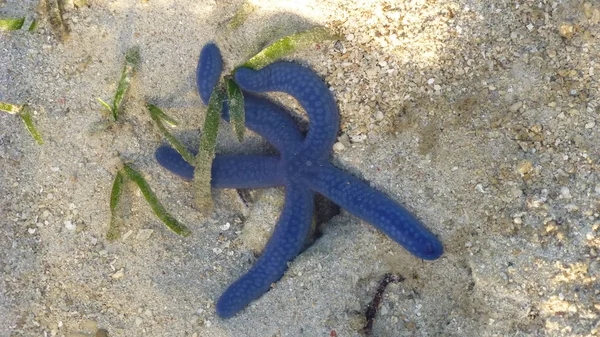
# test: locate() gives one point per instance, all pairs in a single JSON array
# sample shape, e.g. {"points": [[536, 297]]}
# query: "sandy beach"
{"points": [[481, 117]]}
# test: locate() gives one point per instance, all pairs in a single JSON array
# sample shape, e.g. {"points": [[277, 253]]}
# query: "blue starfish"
{"points": [[302, 167]]}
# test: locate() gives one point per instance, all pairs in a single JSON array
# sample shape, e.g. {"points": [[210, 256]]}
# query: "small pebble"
{"points": [[479, 187], [565, 193], [101, 333], [515, 107], [372, 72], [567, 31], [524, 167], [536, 128], [344, 139], [89, 325], [572, 208], [70, 225], [119, 274], [80, 3], [364, 39], [144, 234], [338, 147], [127, 235], [358, 138], [384, 310], [535, 202], [225, 226], [551, 226]]}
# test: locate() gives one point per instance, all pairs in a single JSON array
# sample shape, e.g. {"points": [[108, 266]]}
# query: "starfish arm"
{"points": [[310, 91], [270, 121], [240, 171], [376, 208], [285, 243], [208, 72], [262, 116]]}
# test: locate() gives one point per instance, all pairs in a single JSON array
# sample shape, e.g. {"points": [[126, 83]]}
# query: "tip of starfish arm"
{"points": [[208, 71], [224, 310], [431, 250], [170, 159]]}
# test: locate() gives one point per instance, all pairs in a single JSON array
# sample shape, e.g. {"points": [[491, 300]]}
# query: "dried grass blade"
{"points": [[158, 116], [132, 58], [54, 9], [287, 45], [10, 108], [11, 24], [241, 15], [115, 197], [235, 99], [156, 206], [156, 111], [206, 152], [25, 115], [105, 105], [33, 25]]}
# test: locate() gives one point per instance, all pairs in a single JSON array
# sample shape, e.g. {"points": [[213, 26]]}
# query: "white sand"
{"points": [[481, 117]]}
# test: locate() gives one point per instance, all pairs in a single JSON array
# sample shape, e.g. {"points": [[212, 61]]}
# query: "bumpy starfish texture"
{"points": [[302, 167]]}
